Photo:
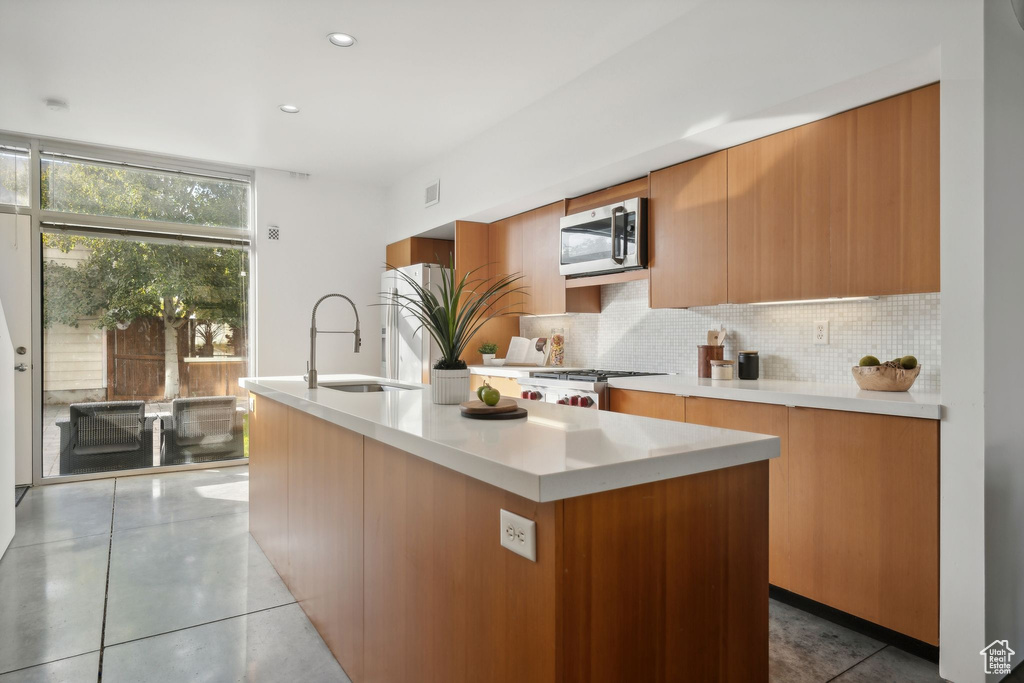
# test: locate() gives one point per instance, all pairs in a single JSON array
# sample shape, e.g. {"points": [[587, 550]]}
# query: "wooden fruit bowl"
{"points": [[884, 378]]}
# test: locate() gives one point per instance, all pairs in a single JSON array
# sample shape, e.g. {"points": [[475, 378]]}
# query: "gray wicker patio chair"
{"points": [[106, 436], [201, 430]]}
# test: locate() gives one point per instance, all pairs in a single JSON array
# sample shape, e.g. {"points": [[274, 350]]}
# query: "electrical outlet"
{"points": [[821, 332], [519, 535]]}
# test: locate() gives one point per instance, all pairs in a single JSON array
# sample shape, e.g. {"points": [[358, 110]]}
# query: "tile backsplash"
{"points": [[627, 335]]}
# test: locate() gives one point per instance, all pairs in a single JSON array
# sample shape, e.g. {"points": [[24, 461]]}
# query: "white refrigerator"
{"points": [[407, 350]]}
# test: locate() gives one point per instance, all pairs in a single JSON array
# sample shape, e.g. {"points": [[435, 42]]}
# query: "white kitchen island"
{"points": [[382, 513]]}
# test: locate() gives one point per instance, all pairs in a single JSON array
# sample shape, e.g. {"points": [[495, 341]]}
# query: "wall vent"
{"points": [[432, 195], [273, 233]]}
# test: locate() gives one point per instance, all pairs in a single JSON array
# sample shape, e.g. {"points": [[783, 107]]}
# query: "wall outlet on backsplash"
{"points": [[821, 332], [628, 335]]}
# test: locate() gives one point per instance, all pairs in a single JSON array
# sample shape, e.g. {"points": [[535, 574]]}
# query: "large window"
{"points": [[83, 186], [145, 307]]}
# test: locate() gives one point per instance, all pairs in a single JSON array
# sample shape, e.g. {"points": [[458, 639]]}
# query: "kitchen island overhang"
{"points": [[381, 513]]}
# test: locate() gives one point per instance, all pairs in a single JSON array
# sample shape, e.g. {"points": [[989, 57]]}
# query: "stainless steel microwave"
{"points": [[606, 240]]}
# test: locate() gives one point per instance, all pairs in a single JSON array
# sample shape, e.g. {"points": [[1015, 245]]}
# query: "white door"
{"points": [[16, 296], [6, 435]]}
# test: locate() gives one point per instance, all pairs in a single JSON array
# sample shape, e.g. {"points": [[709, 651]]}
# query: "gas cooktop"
{"points": [[591, 375]]}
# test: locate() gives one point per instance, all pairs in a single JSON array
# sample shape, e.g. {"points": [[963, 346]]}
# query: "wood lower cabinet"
{"points": [[864, 516], [647, 404], [687, 233], [779, 216], [853, 512], [760, 418], [506, 386], [884, 171]]}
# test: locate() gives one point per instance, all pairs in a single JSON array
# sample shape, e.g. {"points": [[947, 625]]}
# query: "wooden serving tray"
{"points": [[512, 415], [478, 407]]}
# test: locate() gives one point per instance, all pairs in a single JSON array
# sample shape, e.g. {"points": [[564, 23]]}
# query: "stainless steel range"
{"points": [[583, 388]]}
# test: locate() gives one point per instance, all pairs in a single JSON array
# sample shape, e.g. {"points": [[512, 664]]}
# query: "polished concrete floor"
{"points": [[155, 578]]}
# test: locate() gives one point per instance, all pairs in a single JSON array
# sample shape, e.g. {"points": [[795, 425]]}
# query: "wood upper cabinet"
{"points": [[759, 418], [687, 229], [413, 250], [884, 169], [505, 254], [864, 516], [472, 257], [779, 216], [546, 289]]}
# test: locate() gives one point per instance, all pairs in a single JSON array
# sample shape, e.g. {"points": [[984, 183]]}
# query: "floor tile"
{"points": [[177, 496], [82, 669], [270, 646], [803, 648], [182, 574], [58, 512], [52, 598], [892, 665]]}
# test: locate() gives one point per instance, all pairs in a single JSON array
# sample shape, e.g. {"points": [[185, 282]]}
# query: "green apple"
{"points": [[480, 390], [490, 395]]}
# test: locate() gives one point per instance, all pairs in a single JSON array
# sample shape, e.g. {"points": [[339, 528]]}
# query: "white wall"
{"points": [[1004, 326], [332, 240]]}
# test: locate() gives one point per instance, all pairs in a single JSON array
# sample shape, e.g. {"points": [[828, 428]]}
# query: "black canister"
{"points": [[748, 365]]}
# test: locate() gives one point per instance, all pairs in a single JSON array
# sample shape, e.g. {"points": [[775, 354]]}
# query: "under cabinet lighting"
{"points": [[829, 300], [341, 39], [289, 109]]}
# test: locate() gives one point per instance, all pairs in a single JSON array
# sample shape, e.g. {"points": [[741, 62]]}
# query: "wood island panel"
{"points": [[268, 480], [325, 532], [444, 601], [864, 491], [759, 418], [647, 404], [664, 581]]}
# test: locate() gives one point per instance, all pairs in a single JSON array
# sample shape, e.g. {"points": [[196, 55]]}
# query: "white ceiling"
{"points": [[204, 79]]}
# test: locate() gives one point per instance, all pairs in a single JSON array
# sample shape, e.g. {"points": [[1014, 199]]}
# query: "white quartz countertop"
{"points": [[800, 394], [515, 371], [556, 452]]}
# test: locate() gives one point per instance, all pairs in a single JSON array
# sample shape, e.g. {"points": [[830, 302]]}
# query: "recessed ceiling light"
{"points": [[341, 39], [289, 109]]}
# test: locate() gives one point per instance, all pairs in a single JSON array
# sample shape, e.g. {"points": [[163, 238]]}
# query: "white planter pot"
{"points": [[488, 358], [449, 387]]}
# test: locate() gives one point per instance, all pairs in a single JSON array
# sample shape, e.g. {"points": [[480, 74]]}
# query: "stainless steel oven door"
{"points": [[609, 239]]}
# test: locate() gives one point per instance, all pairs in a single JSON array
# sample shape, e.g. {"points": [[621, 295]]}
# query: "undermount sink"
{"points": [[363, 387]]}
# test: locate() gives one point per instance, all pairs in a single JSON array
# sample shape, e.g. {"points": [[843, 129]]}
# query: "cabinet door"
{"points": [[864, 516], [687, 233], [325, 532], [546, 292], [505, 250], [759, 418], [506, 386], [885, 196], [779, 216], [647, 404]]}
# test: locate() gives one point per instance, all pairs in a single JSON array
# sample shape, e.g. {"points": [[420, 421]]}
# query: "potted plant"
{"points": [[452, 314], [487, 351]]}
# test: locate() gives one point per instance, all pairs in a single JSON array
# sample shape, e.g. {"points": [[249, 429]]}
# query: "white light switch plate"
{"points": [[519, 535]]}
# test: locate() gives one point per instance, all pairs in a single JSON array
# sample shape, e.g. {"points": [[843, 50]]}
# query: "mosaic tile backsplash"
{"points": [[627, 335]]}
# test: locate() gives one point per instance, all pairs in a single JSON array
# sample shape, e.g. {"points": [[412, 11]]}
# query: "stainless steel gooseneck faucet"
{"points": [[311, 365]]}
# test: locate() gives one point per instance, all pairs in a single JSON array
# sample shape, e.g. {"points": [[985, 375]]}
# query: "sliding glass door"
{"points": [[141, 307]]}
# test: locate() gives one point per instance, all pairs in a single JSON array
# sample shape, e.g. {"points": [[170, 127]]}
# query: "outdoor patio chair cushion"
{"points": [[107, 427], [203, 421]]}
